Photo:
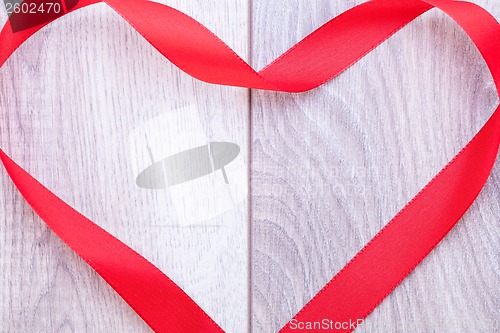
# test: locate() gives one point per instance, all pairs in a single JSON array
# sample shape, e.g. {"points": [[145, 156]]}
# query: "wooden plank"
{"points": [[75, 101], [332, 166]]}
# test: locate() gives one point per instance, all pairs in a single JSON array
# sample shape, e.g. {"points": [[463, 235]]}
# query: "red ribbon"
{"points": [[386, 260]]}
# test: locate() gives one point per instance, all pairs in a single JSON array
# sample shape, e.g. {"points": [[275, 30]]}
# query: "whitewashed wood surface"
{"points": [[331, 167], [328, 169], [71, 97]]}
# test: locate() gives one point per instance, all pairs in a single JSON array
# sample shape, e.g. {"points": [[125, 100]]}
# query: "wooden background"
{"points": [[326, 169]]}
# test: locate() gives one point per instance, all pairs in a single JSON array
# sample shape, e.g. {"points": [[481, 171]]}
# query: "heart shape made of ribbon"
{"points": [[386, 260]]}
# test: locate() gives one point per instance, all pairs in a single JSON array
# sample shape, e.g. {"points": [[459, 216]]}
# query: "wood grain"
{"points": [[70, 98], [332, 166], [328, 169]]}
